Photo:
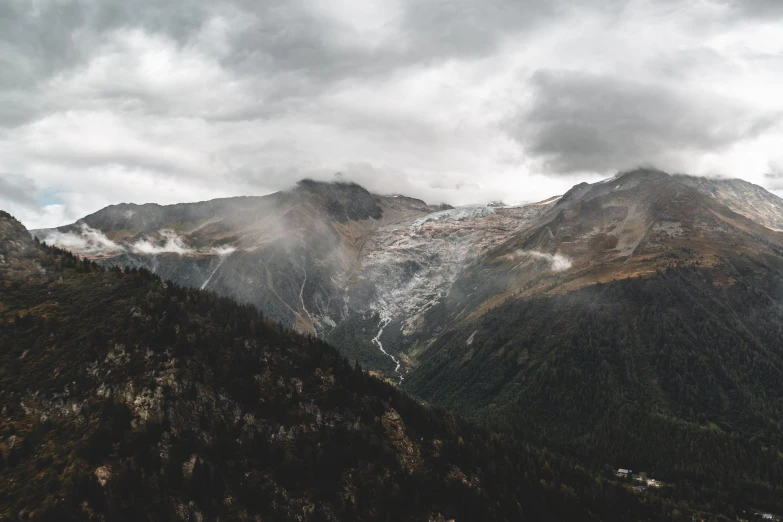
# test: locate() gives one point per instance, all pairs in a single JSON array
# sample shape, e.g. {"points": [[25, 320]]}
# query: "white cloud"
{"points": [[147, 102], [557, 262], [168, 243], [223, 251], [87, 241]]}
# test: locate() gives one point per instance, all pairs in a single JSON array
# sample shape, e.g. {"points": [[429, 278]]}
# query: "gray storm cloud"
{"points": [[17, 189], [104, 102], [755, 8], [775, 177], [586, 122]]}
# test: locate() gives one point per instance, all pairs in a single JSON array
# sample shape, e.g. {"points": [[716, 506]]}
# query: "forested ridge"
{"points": [[678, 374], [129, 398]]}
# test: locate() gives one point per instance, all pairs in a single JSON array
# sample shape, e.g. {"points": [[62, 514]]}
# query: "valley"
{"points": [[630, 322], [388, 262], [126, 397]]}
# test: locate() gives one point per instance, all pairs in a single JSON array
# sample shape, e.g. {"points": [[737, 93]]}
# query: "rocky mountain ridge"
{"points": [[742, 197], [364, 270], [316, 257]]}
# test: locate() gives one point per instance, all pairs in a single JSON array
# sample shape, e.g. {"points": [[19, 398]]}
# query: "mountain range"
{"points": [[633, 322], [127, 397], [364, 271]]}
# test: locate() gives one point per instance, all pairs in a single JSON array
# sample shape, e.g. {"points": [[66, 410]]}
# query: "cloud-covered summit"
{"points": [[461, 101]]}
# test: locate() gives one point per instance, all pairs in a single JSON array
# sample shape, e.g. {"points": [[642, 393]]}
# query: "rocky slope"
{"points": [[406, 268], [742, 197], [289, 253], [365, 271], [125, 397], [645, 347], [630, 225], [633, 226], [17, 249], [330, 259]]}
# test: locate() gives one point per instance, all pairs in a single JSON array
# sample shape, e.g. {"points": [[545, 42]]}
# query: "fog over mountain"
{"points": [[458, 102], [382, 276]]}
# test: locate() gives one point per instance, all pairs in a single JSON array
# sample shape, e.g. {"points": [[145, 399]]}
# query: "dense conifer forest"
{"points": [[678, 374]]}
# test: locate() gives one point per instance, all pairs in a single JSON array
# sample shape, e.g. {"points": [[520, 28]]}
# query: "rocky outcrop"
{"points": [[742, 197], [17, 249]]}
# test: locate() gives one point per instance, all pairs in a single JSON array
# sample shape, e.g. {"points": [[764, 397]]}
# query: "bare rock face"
{"points": [[343, 202], [742, 197], [103, 474], [290, 253], [13, 235]]}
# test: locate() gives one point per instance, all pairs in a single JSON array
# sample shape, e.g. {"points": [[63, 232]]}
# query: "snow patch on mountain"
{"points": [[169, 243]]}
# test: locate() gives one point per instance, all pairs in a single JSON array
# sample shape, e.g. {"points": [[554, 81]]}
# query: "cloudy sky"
{"points": [[459, 101]]}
